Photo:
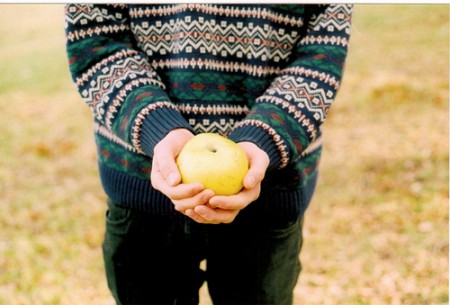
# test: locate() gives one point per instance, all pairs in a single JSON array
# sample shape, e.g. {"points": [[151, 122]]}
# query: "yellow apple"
{"points": [[215, 161]]}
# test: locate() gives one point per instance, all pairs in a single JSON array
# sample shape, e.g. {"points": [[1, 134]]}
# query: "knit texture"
{"points": [[267, 74]]}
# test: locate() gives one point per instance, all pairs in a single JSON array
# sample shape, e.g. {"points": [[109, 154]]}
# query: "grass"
{"points": [[376, 232]]}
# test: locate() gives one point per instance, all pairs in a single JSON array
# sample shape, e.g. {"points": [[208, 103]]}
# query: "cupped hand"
{"points": [[166, 178], [224, 209]]}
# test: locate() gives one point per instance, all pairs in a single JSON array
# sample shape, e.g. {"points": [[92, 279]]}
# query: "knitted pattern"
{"points": [[267, 74]]}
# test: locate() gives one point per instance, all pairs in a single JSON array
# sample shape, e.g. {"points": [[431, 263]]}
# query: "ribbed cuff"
{"points": [[157, 124], [131, 192], [261, 138]]}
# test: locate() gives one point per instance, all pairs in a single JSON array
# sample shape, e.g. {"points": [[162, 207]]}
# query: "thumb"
{"points": [[169, 170], [253, 177], [165, 153], [258, 160]]}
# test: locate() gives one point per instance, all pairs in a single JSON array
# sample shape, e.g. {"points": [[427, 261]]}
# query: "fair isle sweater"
{"points": [[267, 74]]}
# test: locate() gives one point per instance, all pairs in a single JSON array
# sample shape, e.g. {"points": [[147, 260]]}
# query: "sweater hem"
{"points": [[138, 194]]}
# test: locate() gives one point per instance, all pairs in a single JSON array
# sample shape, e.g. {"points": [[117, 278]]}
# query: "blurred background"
{"points": [[375, 233]]}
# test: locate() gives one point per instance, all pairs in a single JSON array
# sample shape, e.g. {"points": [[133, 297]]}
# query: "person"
{"points": [[155, 75]]}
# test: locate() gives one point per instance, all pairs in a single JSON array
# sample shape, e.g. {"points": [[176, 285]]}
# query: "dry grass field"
{"points": [[375, 234]]}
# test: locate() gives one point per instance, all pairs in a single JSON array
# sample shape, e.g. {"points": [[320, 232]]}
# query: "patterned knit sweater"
{"points": [[261, 73]]}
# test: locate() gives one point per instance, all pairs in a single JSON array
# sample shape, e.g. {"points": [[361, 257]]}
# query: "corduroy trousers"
{"points": [[156, 260]]}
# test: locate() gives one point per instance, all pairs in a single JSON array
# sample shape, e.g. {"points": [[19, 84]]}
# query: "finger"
{"points": [[215, 216], [168, 168], [258, 162], [236, 202], [182, 191], [200, 198], [165, 152], [193, 215], [177, 192], [256, 172]]}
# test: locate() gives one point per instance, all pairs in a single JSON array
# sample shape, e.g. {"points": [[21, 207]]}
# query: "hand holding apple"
{"points": [[192, 199], [166, 178], [224, 209]]}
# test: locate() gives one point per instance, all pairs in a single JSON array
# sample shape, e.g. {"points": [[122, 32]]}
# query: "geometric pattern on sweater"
{"points": [[200, 109], [222, 127], [336, 18], [223, 65], [309, 98], [118, 157], [78, 13], [231, 11], [206, 30], [298, 95], [84, 15], [100, 92], [262, 73], [211, 88], [112, 137], [209, 37]]}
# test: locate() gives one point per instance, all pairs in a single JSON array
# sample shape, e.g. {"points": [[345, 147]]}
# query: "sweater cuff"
{"points": [[262, 138], [157, 124]]}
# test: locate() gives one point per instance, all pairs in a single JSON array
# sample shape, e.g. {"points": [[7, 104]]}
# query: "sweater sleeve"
{"points": [[114, 77], [286, 118]]}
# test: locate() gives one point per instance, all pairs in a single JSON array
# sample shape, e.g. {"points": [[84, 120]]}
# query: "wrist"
{"points": [[157, 125], [181, 131]]}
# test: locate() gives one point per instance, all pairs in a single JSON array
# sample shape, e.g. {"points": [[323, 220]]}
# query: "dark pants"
{"points": [[155, 260]]}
